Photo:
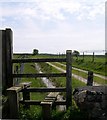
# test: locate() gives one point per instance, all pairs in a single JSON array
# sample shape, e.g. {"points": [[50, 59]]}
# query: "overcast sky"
{"points": [[53, 26]]}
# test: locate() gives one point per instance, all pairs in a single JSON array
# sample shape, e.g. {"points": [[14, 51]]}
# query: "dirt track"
{"points": [[97, 75], [73, 75]]}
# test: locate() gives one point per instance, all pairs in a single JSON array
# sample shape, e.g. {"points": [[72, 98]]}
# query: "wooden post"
{"points": [[83, 56], [90, 78], [93, 57], [13, 99], [46, 110], [9, 53], [68, 78], [26, 94], [3, 60], [0, 71]]}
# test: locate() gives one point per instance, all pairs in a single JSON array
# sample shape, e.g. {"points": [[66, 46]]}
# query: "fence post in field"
{"points": [[9, 53], [68, 78], [13, 99], [90, 78], [83, 56], [93, 57]]}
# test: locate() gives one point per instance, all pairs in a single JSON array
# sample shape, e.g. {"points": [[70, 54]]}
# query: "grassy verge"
{"points": [[99, 65], [35, 111], [82, 74]]}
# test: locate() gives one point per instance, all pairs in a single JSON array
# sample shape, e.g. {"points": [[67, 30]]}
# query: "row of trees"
{"points": [[36, 52]]}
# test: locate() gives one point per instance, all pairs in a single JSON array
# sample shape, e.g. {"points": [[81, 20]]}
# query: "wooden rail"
{"points": [[38, 102], [32, 89], [39, 60], [39, 75]]}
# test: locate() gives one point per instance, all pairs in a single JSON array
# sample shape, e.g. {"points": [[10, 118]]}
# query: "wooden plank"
{"points": [[31, 89], [63, 102], [51, 94], [68, 78], [39, 75], [39, 60], [25, 84], [15, 88], [30, 102], [37, 102], [52, 99]]}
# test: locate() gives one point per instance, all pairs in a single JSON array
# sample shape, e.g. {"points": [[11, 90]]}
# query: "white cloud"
{"points": [[30, 21], [57, 9]]}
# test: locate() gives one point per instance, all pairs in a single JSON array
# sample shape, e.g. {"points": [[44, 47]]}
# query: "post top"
{"points": [[68, 51], [17, 89]]}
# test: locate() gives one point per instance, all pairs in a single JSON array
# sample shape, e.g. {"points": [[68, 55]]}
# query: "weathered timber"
{"points": [[62, 102], [46, 110], [90, 78], [48, 104], [38, 60], [31, 89], [52, 95], [68, 78], [0, 63], [39, 75], [13, 99], [30, 102], [26, 94], [9, 53], [38, 102], [25, 84]]}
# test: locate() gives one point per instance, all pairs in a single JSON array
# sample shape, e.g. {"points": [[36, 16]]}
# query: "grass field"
{"points": [[35, 111], [82, 74], [99, 65]]}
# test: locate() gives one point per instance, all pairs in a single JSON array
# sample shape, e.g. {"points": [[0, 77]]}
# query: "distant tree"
{"points": [[76, 53], [35, 52]]}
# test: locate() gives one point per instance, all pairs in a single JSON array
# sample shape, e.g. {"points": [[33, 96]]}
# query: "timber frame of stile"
{"points": [[13, 91]]}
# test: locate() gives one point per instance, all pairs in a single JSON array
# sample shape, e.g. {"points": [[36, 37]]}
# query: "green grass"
{"points": [[72, 113], [35, 111], [82, 74], [60, 81], [98, 66]]}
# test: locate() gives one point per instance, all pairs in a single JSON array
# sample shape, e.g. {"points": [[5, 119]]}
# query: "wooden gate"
{"points": [[13, 90]]}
